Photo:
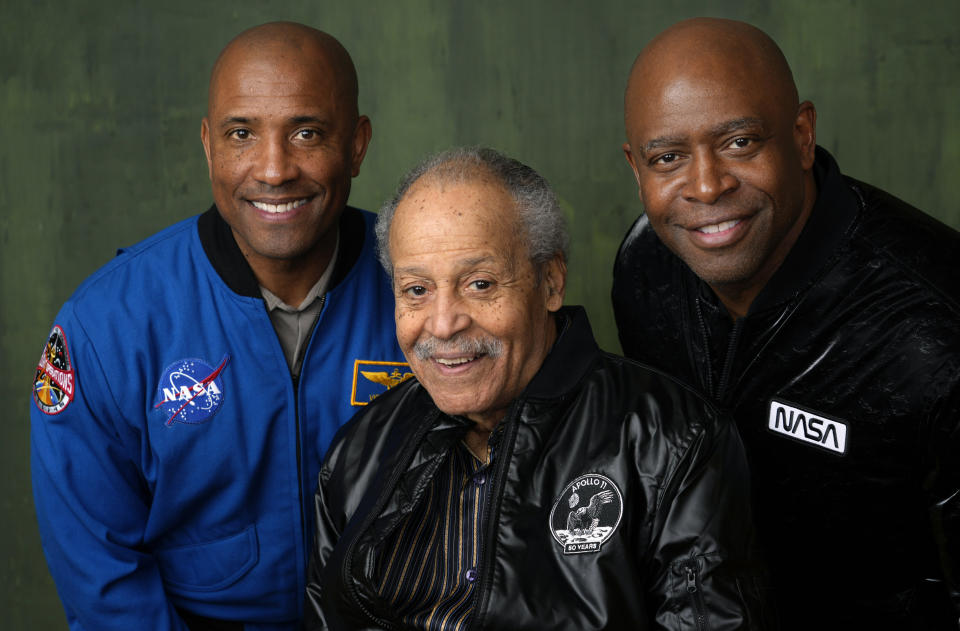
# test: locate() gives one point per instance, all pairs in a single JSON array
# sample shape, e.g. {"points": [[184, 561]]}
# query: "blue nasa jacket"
{"points": [[173, 455]]}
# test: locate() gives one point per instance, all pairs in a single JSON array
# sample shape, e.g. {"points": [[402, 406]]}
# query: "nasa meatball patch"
{"points": [[586, 514], [53, 385], [190, 391]]}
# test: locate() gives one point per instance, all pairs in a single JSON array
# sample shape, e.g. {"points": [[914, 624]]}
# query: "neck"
{"points": [[291, 279], [477, 441]]}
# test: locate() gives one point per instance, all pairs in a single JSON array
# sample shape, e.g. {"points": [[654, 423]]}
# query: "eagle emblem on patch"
{"points": [[586, 514], [53, 385], [373, 378]]}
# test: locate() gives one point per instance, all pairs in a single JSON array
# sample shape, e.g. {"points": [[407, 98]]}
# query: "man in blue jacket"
{"points": [[189, 389]]}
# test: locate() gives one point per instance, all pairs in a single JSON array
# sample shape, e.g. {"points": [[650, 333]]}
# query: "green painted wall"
{"points": [[100, 106]]}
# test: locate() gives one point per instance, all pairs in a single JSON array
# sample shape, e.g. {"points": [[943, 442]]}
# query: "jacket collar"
{"points": [[225, 256], [570, 358]]}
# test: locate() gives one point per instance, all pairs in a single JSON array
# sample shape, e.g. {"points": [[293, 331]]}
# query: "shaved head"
{"points": [[722, 151], [280, 43], [701, 48]]}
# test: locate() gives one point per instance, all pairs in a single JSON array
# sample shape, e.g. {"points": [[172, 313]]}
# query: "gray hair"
{"points": [[537, 206]]}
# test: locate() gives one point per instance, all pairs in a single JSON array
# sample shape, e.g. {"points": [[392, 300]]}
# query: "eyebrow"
{"points": [[725, 127], [295, 120], [300, 120], [417, 270]]}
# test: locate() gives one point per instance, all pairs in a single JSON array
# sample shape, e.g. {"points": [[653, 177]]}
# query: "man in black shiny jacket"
{"points": [[525, 479], [820, 311]]}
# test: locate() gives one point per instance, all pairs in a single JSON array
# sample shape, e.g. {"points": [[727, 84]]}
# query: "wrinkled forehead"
{"points": [[454, 215]]}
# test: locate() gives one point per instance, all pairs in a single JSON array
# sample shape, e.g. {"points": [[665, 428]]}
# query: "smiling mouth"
{"points": [[718, 227], [279, 208], [455, 361]]}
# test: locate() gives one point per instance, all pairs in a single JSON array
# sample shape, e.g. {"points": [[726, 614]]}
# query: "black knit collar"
{"points": [[570, 358], [226, 258]]}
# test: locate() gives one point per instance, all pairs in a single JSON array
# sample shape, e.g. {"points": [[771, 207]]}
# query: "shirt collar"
{"points": [[319, 288]]}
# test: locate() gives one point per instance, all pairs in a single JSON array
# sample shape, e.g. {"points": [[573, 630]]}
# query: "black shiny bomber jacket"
{"points": [[679, 555], [844, 380]]}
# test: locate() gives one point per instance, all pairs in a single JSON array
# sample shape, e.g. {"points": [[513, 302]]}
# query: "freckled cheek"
{"points": [[408, 326], [228, 170]]}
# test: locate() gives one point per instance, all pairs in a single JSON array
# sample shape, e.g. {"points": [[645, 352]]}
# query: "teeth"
{"points": [[279, 208], [454, 362], [719, 227]]}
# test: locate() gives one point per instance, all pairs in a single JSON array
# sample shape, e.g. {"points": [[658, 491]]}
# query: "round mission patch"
{"points": [[190, 391], [586, 514]]}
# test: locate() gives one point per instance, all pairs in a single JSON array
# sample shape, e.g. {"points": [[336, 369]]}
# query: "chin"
{"points": [[456, 406]]}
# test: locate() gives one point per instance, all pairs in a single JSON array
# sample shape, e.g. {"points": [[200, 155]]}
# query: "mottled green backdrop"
{"points": [[100, 106]]}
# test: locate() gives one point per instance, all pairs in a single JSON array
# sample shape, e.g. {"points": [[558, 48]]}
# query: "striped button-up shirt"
{"points": [[428, 568]]}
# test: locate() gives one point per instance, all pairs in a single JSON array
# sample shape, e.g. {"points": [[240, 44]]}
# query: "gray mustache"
{"points": [[425, 349]]}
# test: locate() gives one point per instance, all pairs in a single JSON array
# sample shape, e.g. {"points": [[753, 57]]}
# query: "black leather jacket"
{"points": [[678, 558], [844, 379]]}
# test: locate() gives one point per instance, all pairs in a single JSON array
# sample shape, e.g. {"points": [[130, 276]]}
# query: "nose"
{"points": [[709, 179], [275, 162], [447, 315]]}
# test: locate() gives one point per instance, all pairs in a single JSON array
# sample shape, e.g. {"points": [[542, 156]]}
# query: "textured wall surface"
{"points": [[100, 107]]}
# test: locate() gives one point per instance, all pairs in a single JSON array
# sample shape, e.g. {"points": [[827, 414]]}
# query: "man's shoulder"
{"points": [[909, 243], [163, 249], [379, 427], [163, 269], [645, 394], [641, 247]]}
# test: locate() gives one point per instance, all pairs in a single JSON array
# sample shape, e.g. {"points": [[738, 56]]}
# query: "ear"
{"points": [[362, 134], [205, 139], [631, 160], [805, 134], [555, 281]]}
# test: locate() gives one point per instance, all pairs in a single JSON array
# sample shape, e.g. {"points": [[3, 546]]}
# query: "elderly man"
{"points": [[821, 311], [190, 387], [524, 480]]}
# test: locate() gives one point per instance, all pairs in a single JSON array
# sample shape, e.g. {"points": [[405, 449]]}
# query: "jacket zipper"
{"points": [[395, 475], [696, 594], [706, 347], [491, 505], [728, 360], [304, 535]]}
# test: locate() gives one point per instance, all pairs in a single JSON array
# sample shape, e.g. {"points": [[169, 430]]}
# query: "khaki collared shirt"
{"points": [[295, 324]]}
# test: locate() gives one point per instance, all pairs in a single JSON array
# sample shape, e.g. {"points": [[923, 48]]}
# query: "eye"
{"points": [[239, 134], [481, 284], [415, 291], [306, 134], [666, 158], [741, 142]]}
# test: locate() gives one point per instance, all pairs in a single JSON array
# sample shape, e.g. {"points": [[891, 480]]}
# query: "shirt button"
{"points": [[479, 479], [472, 574]]}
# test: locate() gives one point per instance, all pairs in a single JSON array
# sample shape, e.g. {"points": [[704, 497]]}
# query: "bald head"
{"points": [[703, 49], [282, 43]]}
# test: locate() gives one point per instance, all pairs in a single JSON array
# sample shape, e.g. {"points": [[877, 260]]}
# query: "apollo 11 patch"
{"points": [[54, 382], [586, 514]]}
